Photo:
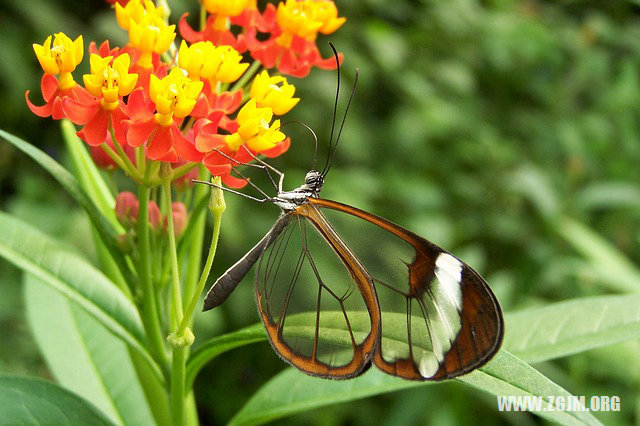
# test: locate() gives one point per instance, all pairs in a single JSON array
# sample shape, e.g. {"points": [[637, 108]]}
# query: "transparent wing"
{"points": [[319, 309], [439, 318]]}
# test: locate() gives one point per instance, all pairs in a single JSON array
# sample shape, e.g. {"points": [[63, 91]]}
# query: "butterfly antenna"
{"points": [[315, 140], [335, 107], [344, 118]]}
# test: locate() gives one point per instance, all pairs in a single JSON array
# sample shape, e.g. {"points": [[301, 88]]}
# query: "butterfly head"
{"points": [[313, 181]]}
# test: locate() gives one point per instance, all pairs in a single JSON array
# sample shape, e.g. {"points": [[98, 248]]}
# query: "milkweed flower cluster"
{"points": [[214, 98], [174, 104]]}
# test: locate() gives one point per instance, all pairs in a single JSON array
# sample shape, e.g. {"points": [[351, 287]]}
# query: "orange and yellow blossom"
{"points": [[110, 83], [204, 61], [135, 10], [273, 92], [254, 129], [224, 9], [150, 35], [61, 58], [174, 96], [305, 18]]}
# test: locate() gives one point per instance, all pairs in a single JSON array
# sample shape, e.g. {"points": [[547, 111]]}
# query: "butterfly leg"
{"points": [[266, 166], [233, 191]]}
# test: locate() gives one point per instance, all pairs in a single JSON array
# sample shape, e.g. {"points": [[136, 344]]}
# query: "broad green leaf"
{"points": [[613, 268], [83, 356], [292, 392], [75, 278], [218, 345], [566, 328], [88, 174], [30, 401], [107, 232], [537, 334]]}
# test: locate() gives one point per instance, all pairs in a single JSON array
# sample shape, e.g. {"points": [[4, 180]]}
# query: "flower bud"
{"points": [[155, 217], [127, 209], [180, 217]]}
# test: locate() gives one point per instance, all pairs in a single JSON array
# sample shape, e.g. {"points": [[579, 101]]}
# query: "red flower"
{"points": [[220, 159], [53, 97], [286, 50], [108, 83], [96, 120], [211, 104], [217, 37], [163, 143], [104, 50]]}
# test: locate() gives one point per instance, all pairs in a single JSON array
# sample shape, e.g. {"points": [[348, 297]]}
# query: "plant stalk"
{"points": [[150, 309], [217, 207]]}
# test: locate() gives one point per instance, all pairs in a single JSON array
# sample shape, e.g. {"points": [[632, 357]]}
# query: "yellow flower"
{"points": [[273, 92], [204, 61], [305, 18], [150, 35], [110, 82], [175, 96], [327, 13], [61, 58], [223, 9], [254, 129], [136, 10]]}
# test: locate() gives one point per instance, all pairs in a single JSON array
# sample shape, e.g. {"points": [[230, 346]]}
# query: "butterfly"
{"points": [[339, 289]]}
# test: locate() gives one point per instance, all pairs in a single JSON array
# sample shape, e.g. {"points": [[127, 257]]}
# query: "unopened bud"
{"points": [[155, 217], [180, 217], [127, 208]]}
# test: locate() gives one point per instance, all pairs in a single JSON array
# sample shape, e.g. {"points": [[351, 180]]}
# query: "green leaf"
{"points": [[536, 334], [566, 328], [293, 392], [30, 401], [609, 195], [612, 267], [220, 344], [83, 356], [75, 278], [107, 233], [88, 175]]}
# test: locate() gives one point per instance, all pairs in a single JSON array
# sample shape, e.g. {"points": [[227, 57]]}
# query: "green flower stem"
{"points": [[248, 75], [114, 156], [203, 17], [173, 253], [129, 166], [180, 340], [150, 309], [141, 161], [150, 174], [217, 207], [177, 385], [194, 234]]}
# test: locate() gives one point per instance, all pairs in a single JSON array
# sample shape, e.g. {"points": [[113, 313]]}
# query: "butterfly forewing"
{"points": [[439, 319], [311, 301]]}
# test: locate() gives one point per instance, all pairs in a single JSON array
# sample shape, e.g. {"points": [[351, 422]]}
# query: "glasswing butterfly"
{"points": [[339, 289]]}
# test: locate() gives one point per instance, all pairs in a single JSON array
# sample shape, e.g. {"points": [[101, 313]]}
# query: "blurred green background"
{"points": [[493, 128]]}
